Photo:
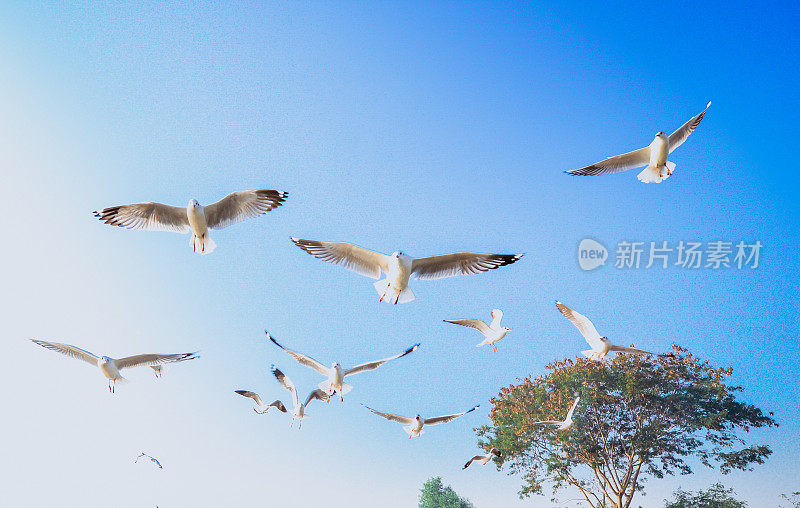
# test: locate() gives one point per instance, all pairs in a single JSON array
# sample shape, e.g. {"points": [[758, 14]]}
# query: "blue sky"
{"points": [[426, 128]]}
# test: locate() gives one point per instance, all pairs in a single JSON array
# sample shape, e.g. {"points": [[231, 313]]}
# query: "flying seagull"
{"points": [[299, 411], [601, 346], [110, 367], [413, 426], [483, 459], [152, 459], [277, 404], [399, 267], [492, 333], [335, 374], [198, 219], [653, 156], [564, 425]]}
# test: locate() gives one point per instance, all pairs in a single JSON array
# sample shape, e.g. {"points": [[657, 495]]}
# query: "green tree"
{"points": [[717, 496], [639, 417], [435, 495]]}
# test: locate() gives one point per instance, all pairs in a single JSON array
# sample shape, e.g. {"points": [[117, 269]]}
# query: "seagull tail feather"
{"points": [[203, 244], [409, 430], [652, 174], [389, 294]]}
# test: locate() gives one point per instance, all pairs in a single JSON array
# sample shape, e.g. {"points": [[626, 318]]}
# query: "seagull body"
{"points": [[483, 459], [601, 346], [110, 367], [413, 426], [399, 267], [152, 459], [492, 332], [566, 424], [263, 408], [653, 156], [299, 410], [336, 374], [195, 218]]}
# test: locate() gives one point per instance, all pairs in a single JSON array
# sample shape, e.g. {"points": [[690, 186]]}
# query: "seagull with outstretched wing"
{"points": [[262, 408], [299, 410], [492, 332], [399, 267], [653, 156], [195, 218], [111, 367], [601, 346], [566, 424], [483, 459], [413, 426], [335, 374], [152, 459]]}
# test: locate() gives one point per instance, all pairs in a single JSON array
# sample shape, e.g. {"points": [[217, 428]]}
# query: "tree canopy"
{"points": [[792, 500], [717, 496], [640, 416], [435, 495]]}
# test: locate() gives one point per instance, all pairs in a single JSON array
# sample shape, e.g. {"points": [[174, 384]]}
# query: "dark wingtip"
{"points": [[270, 337]]}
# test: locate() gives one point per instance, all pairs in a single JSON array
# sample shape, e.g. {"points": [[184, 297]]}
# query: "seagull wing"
{"points": [[497, 315], [393, 417], [547, 422], [241, 205], [277, 404], [150, 216], [460, 263], [622, 349], [301, 358], [615, 164], [251, 395], [447, 418], [285, 382], [152, 359], [358, 259], [473, 459], [377, 363], [677, 138], [472, 323], [583, 325], [71, 351], [315, 395], [572, 409]]}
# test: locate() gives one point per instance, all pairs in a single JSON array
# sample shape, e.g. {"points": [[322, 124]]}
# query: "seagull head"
{"points": [[193, 203], [507, 329], [418, 418], [105, 359], [661, 135], [336, 365], [397, 254]]}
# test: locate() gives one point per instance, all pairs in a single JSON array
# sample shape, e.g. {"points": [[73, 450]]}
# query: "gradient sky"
{"points": [[426, 128]]}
